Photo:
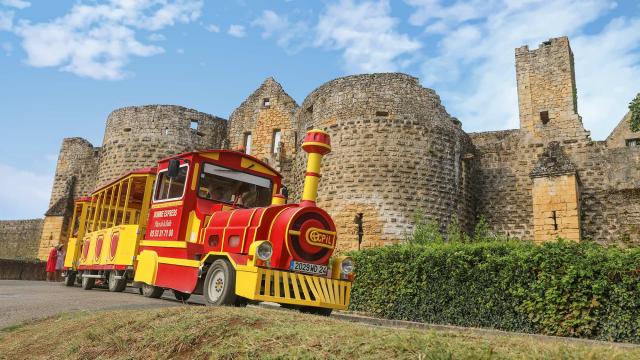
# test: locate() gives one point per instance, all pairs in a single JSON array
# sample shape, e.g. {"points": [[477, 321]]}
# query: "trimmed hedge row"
{"points": [[560, 288]]}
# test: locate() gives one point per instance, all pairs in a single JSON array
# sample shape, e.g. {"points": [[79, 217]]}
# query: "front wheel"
{"points": [[70, 279], [220, 284], [151, 291], [87, 282], [117, 285]]}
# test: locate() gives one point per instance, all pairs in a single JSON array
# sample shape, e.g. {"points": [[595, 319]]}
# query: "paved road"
{"points": [[27, 300]]}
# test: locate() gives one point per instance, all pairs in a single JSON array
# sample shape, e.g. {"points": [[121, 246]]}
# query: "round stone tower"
{"points": [[139, 136], [395, 151], [78, 159]]}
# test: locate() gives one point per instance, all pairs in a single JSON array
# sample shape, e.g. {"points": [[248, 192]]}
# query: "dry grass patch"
{"points": [[238, 333]]}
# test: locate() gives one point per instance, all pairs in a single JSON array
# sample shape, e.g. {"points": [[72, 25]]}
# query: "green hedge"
{"points": [[560, 288]]}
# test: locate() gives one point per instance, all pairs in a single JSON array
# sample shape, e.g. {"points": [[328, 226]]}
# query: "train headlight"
{"points": [[264, 251], [347, 266]]}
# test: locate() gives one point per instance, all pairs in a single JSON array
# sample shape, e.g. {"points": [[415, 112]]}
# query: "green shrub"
{"points": [[559, 288]]}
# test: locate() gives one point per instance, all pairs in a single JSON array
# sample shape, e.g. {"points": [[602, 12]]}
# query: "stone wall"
{"points": [[609, 182], [19, 239], [138, 136], [12, 269], [395, 151], [267, 109]]}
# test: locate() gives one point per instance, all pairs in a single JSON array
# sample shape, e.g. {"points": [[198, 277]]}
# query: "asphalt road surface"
{"points": [[29, 300]]}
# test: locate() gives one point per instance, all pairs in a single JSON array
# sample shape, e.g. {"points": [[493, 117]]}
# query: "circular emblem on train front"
{"points": [[311, 237]]}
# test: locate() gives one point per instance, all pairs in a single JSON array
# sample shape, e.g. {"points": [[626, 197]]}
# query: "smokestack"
{"points": [[317, 143]]}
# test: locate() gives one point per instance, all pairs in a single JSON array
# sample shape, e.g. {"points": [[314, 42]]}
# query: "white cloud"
{"points": [[156, 37], [98, 40], [607, 69], [291, 36], [366, 33], [24, 194], [237, 31], [212, 28], [473, 63], [180, 51], [18, 4], [6, 20]]}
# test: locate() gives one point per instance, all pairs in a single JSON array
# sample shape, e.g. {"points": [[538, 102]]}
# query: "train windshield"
{"points": [[234, 187]]}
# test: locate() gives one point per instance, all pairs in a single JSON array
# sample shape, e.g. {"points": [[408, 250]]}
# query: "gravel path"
{"points": [[28, 300]]}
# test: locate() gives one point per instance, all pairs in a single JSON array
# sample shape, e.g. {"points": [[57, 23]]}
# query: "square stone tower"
{"points": [[547, 97]]}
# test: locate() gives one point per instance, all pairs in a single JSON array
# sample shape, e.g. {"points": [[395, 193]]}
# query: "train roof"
{"points": [[233, 152], [143, 171]]}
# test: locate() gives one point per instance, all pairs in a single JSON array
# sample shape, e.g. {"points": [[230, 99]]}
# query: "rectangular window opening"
{"points": [[382, 113], [247, 143], [266, 102], [633, 142], [276, 139], [544, 117], [194, 125]]}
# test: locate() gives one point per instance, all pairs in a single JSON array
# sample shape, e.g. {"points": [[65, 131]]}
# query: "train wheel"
{"points": [[315, 310], [70, 279], [220, 284], [116, 285], [151, 291], [87, 282], [180, 296]]}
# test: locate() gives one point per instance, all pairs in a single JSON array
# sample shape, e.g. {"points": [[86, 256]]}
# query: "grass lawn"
{"points": [[239, 333]]}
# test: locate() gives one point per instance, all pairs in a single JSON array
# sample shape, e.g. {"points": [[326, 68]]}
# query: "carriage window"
{"points": [[234, 187], [171, 188]]}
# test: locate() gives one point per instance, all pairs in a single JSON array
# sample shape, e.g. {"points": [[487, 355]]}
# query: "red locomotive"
{"points": [[212, 223]]}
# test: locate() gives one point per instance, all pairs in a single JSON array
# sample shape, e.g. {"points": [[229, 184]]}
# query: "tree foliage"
{"points": [[634, 107]]}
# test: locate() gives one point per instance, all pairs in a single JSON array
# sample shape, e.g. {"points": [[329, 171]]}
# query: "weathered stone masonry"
{"points": [[396, 151]]}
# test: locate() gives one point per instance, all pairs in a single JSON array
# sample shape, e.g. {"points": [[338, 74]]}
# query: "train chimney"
{"points": [[316, 143]]}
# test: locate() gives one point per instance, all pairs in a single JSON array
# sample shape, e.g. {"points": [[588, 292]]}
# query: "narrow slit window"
{"points": [[382, 113], [194, 124], [247, 143], [555, 220], [277, 137], [544, 117]]}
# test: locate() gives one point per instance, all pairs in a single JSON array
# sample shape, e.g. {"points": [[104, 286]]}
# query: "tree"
{"points": [[634, 107]]}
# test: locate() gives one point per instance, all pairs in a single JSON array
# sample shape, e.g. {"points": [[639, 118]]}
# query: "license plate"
{"points": [[308, 268]]}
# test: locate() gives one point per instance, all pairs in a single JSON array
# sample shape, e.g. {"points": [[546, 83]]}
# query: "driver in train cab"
{"points": [[244, 196], [212, 191]]}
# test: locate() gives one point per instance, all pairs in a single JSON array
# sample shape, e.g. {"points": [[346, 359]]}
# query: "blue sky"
{"points": [[64, 65]]}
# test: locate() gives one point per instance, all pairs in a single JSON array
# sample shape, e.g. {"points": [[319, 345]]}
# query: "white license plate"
{"points": [[308, 268]]}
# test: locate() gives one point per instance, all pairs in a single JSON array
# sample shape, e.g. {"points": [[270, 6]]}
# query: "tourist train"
{"points": [[215, 223]]}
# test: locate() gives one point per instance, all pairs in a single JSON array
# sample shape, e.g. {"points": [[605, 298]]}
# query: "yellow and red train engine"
{"points": [[214, 223]]}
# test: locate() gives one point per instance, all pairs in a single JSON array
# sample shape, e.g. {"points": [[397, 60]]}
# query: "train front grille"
{"points": [[300, 289]]}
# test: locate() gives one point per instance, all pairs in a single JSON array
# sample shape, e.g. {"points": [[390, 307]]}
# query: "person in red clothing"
{"points": [[51, 263]]}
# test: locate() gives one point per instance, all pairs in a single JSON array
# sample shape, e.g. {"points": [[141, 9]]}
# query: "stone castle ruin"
{"points": [[396, 150]]}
